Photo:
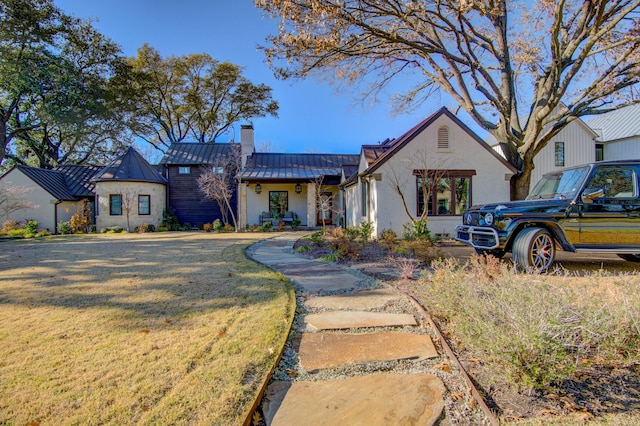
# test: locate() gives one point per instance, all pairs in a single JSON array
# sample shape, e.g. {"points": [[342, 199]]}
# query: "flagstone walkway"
{"points": [[349, 321]]}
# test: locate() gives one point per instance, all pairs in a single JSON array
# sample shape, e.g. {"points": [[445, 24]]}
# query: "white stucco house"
{"points": [[440, 151]]}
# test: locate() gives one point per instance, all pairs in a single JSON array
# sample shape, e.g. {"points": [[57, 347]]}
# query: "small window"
{"points": [[443, 138], [599, 152], [559, 154], [218, 170], [144, 205], [184, 170], [115, 204]]}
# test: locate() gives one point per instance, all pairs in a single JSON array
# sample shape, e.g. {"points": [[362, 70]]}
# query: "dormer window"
{"points": [[443, 138]]}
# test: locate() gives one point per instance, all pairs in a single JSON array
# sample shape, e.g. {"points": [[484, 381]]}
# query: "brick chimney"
{"points": [[247, 143]]}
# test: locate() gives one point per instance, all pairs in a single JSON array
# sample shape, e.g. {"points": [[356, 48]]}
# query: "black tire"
{"points": [[630, 257], [497, 253], [534, 249]]}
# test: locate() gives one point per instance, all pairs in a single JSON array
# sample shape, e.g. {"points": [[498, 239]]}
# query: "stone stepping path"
{"points": [[378, 399], [329, 350], [341, 320], [342, 332]]}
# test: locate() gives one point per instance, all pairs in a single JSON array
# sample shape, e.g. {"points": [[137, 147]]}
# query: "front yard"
{"points": [[160, 328]]}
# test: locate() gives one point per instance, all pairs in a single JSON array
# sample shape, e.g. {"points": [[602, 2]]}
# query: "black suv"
{"points": [[590, 208]]}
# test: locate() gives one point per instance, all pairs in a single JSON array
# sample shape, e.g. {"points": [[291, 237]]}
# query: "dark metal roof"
{"points": [[78, 178], [267, 166], [130, 166], [193, 153], [51, 181]]}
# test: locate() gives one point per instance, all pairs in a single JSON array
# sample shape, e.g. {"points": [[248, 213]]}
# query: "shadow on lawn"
{"points": [[150, 275]]}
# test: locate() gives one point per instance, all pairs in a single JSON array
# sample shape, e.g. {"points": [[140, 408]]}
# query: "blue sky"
{"points": [[313, 117]]}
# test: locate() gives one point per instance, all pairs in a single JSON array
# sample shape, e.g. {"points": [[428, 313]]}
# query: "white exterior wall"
{"points": [[66, 209], [352, 204], [44, 204], [490, 183], [579, 148], [624, 149], [158, 193]]}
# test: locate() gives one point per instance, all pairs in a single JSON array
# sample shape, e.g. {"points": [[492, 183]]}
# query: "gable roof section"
{"points": [[193, 153], [131, 167], [78, 178], [615, 125], [397, 144], [373, 152], [261, 165], [51, 181]]}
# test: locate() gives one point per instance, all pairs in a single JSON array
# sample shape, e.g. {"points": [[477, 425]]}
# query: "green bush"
{"points": [[64, 227], [266, 226], [366, 229], [43, 234], [20, 232], [295, 223], [317, 237], [31, 226], [332, 257], [217, 225], [170, 220], [351, 232], [303, 249], [416, 230]]}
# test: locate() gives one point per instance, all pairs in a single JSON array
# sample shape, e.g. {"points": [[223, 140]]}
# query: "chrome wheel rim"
{"points": [[542, 252]]}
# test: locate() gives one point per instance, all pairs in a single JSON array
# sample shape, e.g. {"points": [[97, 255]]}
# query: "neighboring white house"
{"points": [[618, 133], [574, 145], [460, 167]]}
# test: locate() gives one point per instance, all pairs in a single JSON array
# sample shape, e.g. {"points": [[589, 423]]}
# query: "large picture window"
{"points": [[115, 204], [278, 202], [144, 205], [443, 192]]}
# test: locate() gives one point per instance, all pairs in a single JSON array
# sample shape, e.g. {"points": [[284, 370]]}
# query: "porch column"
{"points": [[242, 205], [311, 204]]}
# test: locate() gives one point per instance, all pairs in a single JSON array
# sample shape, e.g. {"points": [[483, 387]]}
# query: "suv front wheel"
{"points": [[534, 248]]}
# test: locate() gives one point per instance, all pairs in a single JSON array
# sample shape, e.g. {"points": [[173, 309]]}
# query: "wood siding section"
{"points": [[188, 202]]}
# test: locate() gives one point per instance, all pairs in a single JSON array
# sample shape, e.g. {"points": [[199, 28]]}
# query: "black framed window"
{"points": [[144, 205], [599, 152], [184, 170], [115, 204], [447, 192], [278, 202]]}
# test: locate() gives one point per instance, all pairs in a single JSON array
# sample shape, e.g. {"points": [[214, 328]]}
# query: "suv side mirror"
{"points": [[591, 194]]}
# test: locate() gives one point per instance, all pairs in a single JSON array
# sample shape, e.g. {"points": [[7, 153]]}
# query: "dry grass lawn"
{"points": [[160, 328]]}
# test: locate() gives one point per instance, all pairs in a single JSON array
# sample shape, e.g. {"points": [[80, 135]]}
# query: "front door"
{"points": [[325, 207]]}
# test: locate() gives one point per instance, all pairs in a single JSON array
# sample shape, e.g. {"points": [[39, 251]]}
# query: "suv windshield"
{"points": [[563, 184]]}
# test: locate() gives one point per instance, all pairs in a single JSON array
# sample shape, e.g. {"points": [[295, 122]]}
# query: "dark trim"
{"points": [[148, 205], [111, 204], [453, 173]]}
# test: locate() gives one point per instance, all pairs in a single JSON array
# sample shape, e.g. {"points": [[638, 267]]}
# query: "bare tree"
{"points": [[324, 202], [128, 204], [417, 175], [218, 183], [522, 70], [12, 200]]}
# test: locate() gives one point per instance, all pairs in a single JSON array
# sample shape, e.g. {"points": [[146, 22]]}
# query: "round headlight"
{"points": [[488, 219]]}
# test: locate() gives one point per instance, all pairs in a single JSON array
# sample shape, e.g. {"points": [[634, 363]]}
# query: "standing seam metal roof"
{"points": [[619, 124], [262, 165], [193, 153], [130, 166]]}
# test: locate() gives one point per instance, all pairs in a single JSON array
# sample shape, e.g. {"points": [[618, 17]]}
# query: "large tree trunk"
{"points": [[520, 184]]}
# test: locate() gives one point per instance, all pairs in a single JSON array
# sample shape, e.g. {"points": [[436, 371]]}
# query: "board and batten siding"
{"points": [[188, 202], [579, 148], [623, 149]]}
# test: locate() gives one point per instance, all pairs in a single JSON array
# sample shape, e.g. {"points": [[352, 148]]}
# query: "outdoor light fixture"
{"points": [[298, 188], [258, 188]]}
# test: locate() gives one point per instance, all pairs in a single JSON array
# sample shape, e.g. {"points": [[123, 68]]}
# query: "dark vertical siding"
{"points": [[188, 202]]}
